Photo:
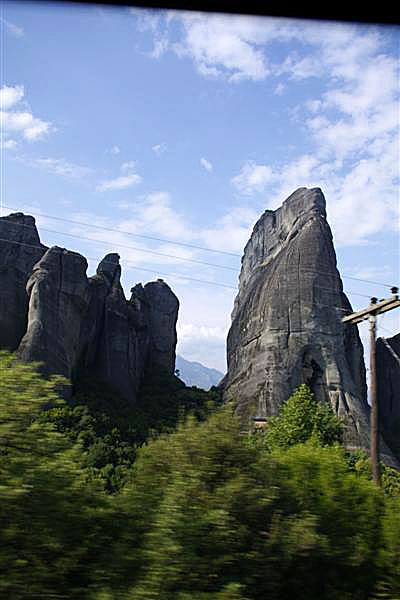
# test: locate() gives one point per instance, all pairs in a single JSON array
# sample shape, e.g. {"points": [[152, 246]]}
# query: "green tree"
{"points": [[110, 429], [54, 525], [303, 418], [214, 514]]}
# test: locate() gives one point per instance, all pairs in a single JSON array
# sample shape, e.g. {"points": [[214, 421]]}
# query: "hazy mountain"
{"points": [[194, 373]]}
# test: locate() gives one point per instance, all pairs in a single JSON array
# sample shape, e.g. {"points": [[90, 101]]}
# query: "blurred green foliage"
{"points": [[53, 522], [197, 510], [110, 430]]}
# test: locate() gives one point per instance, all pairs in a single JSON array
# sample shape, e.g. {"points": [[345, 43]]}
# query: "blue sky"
{"points": [[185, 127]]}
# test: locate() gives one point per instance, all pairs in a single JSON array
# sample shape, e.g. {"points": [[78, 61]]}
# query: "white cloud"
{"points": [[11, 28], [159, 148], [119, 183], [129, 165], [20, 121], [222, 45], [58, 166], [353, 126], [232, 231], [147, 19], [206, 164], [10, 95], [364, 201], [203, 344], [299, 68], [160, 46], [25, 123], [279, 90], [154, 212], [9, 144], [253, 178], [219, 45], [115, 150]]}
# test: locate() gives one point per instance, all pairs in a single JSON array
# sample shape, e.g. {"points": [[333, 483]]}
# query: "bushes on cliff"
{"points": [[110, 430], [302, 419]]}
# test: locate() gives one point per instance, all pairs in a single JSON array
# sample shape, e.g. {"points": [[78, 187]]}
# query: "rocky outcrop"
{"points": [[286, 323], [20, 249], [388, 389], [163, 314], [58, 292], [75, 325]]}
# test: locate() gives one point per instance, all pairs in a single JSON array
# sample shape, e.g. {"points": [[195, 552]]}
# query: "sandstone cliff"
{"points": [[51, 312], [286, 323]]}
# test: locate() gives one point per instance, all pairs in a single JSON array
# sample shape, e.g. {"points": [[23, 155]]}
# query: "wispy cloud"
{"points": [[58, 166], [20, 122], [119, 183], [8, 144], [159, 148], [231, 232], [352, 129], [154, 212], [114, 150], [253, 178], [129, 165], [206, 164], [11, 28], [9, 96]]}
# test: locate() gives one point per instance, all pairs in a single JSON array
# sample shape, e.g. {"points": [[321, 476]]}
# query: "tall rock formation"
{"points": [[20, 249], [51, 312], [286, 323], [163, 314], [58, 293], [388, 388]]}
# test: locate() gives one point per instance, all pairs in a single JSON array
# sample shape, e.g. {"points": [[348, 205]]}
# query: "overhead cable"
{"points": [[117, 245], [147, 237], [176, 244], [133, 265]]}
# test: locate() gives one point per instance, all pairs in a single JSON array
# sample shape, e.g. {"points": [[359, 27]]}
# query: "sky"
{"points": [[164, 135]]}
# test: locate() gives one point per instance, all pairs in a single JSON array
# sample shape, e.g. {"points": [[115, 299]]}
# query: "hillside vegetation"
{"points": [[167, 500]]}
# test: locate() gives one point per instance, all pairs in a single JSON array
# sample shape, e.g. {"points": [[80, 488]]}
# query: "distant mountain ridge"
{"points": [[194, 373]]}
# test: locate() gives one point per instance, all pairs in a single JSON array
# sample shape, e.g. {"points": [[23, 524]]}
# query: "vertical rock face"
{"points": [[388, 388], [163, 313], [58, 293], [51, 312], [121, 353], [20, 249], [286, 323]]}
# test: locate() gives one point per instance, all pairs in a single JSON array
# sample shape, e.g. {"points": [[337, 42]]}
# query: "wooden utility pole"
{"points": [[375, 308], [374, 441]]}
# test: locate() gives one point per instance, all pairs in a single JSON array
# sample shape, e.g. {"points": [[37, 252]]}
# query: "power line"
{"points": [[179, 257], [175, 275], [117, 245], [147, 237], [351, 277], [176, 244]]}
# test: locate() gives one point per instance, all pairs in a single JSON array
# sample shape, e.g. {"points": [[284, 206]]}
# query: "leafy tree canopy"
{"points": [[53, 522]]}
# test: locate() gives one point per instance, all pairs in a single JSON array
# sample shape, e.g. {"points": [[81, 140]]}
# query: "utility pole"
{"points": [[375, 308]]}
